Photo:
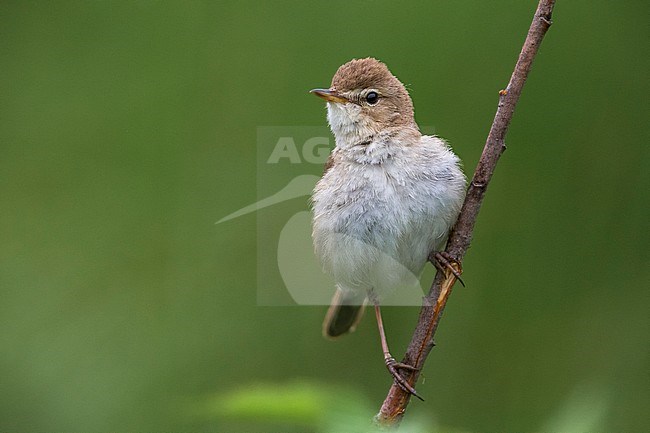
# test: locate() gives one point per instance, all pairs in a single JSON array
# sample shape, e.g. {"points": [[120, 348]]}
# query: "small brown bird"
{"points": [[386, 201]]}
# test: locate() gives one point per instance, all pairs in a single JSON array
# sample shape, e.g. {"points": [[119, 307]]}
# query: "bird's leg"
{"points": [[391, 364], [442, 260]]}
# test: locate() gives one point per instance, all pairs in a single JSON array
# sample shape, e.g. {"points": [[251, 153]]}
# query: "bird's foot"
{"points": [[443, 260], [392, 367]]}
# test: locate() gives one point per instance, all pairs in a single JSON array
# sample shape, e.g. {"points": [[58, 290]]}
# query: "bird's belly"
{"points": [[374, 238]]}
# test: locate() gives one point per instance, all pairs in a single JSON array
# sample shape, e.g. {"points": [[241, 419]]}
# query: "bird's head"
{"points": [[365, 99]]}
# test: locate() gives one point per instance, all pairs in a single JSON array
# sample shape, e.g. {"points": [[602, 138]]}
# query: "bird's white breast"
{"points": [[382, 208]]}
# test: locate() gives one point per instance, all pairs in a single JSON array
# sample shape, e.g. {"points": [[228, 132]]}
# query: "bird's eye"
{"points": [[372, 98]]}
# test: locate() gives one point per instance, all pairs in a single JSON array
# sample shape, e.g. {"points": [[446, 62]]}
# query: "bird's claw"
{"points": [[442, 260], [393, 366]]}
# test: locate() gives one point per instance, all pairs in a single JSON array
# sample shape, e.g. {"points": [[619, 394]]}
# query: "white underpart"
{"points": [[384, 206]]}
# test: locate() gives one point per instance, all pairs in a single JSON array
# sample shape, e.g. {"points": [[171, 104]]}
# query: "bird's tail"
{"points": [[346, 309]]}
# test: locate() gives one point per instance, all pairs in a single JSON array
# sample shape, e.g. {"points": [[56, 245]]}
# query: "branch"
{"points": [[394, 406]]}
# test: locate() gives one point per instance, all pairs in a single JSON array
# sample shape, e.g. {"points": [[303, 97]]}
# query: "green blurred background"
{"points": [[129, 128]]}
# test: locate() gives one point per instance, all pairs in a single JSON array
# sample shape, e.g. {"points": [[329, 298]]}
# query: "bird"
{"points": [[386, 201]]}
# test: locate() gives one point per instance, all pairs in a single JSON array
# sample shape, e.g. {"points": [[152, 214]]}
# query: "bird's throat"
{"points": [[349, 126]]}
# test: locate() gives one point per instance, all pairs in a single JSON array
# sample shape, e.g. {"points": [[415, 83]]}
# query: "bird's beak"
{"points": [[329, 95]]}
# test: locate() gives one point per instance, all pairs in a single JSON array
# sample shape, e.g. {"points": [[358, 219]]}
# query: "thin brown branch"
{"points": [[394, 406]]}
